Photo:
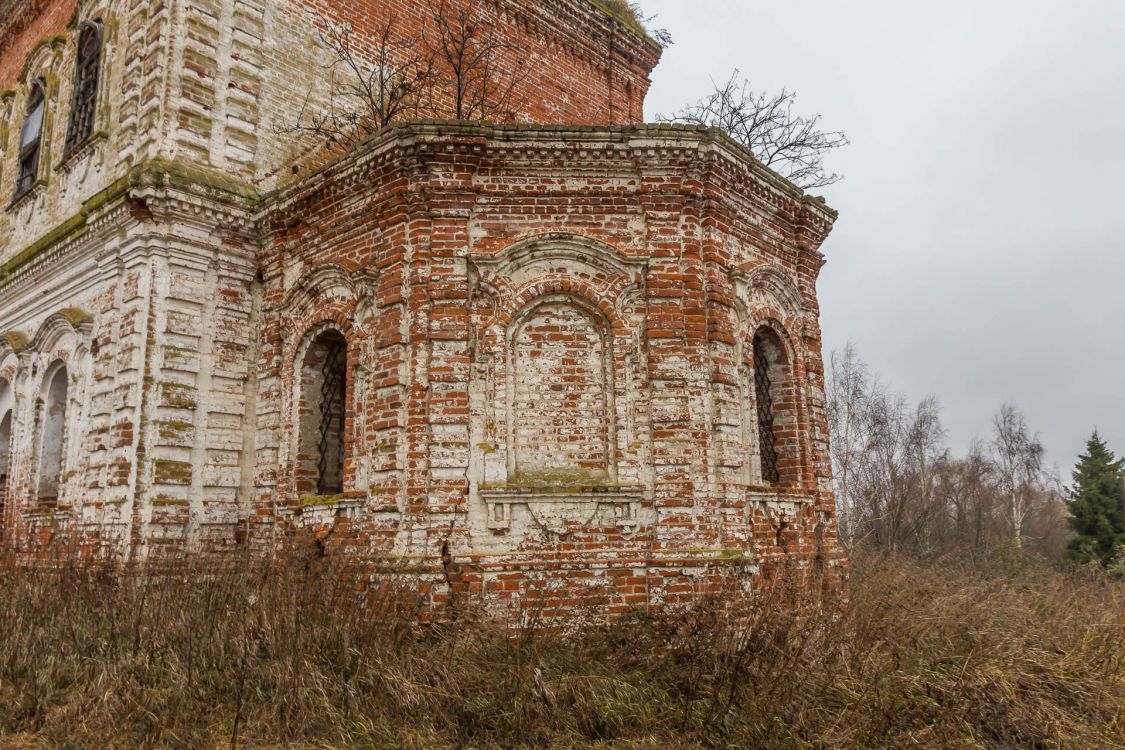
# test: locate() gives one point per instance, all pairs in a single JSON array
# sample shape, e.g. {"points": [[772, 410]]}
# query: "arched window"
{"points": [[87, 70], [5, 445], [321, 418], [53, 431], [31, 138], [559, 367], [774, 409]]}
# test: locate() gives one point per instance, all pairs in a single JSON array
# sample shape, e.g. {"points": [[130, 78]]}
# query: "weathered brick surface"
{"points": [[551, 332], [219, 84], [24, 24], [544, 392]]}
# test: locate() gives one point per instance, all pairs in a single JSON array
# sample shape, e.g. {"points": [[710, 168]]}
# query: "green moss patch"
{"points": [[16, 339], [172, 472], [620, 10], [309, 501], [156, 172], [558, 480]]}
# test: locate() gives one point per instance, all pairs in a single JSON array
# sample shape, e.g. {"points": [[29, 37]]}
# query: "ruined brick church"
{"points": [[572, 352]]}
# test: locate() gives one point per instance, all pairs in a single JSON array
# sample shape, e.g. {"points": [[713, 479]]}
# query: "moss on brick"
{"points": [[77, 316], [163, 501], [309, 501], [172, 472], [178, 395], [171, 351], [558, 480], [620, 10], [174, 429], [182, 174], [155, 172], [16, 339]]}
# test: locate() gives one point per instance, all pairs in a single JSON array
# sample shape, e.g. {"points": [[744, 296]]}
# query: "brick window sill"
{"points": [[323, 513], [80, 151], [559, 510], [28, 195]]}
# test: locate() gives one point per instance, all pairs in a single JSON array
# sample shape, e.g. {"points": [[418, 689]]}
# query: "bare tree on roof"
{"points": [[792, 145], [372, 80], [478, 72]]}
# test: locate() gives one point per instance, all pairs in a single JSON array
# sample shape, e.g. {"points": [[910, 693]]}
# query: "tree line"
{"points": [[901, 489]]}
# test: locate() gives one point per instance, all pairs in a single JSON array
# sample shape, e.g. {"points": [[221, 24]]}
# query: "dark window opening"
{"points": [[84, 101], [764, 393], [31, 139], [322, 416]]}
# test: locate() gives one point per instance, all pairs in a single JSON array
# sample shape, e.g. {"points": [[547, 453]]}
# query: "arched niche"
{"points": [[326, 286], [62, 331], [560, 371], [767, 287], [52, 420]]}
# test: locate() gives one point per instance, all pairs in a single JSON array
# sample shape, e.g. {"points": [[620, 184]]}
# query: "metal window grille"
{"points": [[330, 465], [86, 73], [767, 441]]}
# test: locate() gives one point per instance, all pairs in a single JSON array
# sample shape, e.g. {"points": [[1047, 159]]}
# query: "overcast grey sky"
{"points": [[978, 255]]}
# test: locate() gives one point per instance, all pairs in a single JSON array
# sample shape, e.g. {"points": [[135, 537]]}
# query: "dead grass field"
{"points": [[1004, 654]]}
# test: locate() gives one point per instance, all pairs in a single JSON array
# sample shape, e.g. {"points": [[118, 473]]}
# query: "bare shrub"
{"points": [[478, 72], [458, 67]]}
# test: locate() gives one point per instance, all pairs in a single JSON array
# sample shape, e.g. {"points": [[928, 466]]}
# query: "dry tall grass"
{"points": [[932, 655]]}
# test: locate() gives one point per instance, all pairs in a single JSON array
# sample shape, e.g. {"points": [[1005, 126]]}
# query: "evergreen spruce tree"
{"points": [[1097, 505]]}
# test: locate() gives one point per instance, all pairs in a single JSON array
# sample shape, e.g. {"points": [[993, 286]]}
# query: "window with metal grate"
{"points": [[83, 105], [763, 391]]}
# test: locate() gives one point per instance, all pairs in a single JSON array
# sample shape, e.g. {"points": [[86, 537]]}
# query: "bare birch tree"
{"points": [[1019, 460], [900, 489], [848, 386], [792, 145]]}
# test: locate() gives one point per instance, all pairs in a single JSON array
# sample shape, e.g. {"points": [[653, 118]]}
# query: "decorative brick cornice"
{"points": [[640, 148], [184, 189]]}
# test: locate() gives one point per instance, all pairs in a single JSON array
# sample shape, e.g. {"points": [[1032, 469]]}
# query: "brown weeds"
{"points": [[239, 654]]}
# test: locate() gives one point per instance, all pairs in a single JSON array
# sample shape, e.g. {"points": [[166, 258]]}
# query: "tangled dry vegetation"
{"points": [[1012, 654]]}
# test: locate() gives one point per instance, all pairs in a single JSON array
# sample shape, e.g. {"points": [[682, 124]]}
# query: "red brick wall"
{"points": [[23, 24], [675, 240], [578, 65]]}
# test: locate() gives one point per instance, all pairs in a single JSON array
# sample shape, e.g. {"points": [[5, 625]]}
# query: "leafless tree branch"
{"points": [[370, 84], [479, 73], [792, 145]]}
